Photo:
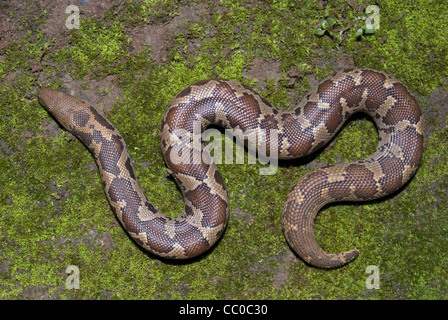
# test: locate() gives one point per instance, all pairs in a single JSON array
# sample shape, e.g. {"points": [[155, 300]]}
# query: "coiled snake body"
{"points": [[300, 132]]}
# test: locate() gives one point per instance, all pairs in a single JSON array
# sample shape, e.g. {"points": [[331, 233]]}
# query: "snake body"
{"points": [[299, 132]]}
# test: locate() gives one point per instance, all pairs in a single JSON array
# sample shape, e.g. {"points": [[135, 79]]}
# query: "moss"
{"points": [[54, 212], [97, 49], [421, 23], [139, 12]]}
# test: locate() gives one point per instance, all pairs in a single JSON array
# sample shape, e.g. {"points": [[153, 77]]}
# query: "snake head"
{"points": [[61, 105]]}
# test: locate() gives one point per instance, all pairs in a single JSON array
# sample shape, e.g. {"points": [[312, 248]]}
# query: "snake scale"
{"points": [[300, 132]]}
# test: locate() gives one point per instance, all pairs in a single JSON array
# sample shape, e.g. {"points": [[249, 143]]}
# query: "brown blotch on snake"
{"points": [[300, 132]]}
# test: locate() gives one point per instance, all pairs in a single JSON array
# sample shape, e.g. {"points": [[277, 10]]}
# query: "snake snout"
{"points": [[61, 106], [46, 96]]}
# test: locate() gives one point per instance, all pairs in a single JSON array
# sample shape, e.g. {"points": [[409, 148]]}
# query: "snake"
{"points": [[288, 134]]}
